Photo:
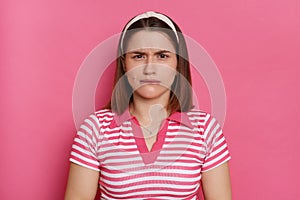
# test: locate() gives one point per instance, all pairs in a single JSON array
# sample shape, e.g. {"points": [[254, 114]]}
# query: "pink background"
{"points": [[255, 45]]}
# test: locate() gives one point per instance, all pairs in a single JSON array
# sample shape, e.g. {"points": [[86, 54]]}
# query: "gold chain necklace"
{"points": [[151, 131]]}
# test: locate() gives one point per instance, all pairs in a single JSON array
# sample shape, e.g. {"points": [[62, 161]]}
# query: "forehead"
{"points": [[146, 39]]}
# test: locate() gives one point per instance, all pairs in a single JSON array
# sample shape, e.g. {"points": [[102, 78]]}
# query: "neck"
{"points": [[149, 111]]}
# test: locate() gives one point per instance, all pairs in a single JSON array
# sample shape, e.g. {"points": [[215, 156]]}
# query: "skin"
{"points": [[216, 183], [150, 56], [151, 59], [82, 183]]}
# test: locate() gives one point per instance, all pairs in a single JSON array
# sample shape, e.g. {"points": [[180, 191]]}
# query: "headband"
{"points": [[147, 15]]}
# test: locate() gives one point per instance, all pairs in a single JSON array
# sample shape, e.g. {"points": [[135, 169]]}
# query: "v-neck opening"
{"points": [[149, 157]]}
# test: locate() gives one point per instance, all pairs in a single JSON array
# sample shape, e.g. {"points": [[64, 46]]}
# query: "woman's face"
{"points": [[150, 63]]}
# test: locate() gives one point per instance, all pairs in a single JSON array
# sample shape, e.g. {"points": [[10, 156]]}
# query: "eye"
{"points": [[163, 56], [138, 56]]}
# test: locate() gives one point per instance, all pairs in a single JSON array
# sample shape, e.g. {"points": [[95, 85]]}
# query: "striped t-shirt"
{"points": [[187, 145]]}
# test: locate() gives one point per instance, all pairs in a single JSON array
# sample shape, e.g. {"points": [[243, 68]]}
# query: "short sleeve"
{"points": [[216, 147], [84, 148]]}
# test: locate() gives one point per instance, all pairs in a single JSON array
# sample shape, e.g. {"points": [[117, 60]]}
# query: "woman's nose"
{"points": [[148, 67]]}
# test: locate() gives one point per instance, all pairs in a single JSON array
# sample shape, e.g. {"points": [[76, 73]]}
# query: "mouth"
{"points": [[150, 81]]}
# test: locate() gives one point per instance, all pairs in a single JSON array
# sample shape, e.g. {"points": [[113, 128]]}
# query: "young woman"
{"points": [[149, 142]]}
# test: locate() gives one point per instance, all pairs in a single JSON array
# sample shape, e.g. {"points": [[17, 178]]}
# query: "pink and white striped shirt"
{"points": [[187, 145]]}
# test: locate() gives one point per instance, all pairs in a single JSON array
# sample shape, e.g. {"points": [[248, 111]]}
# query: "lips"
{"points": [[150, 81]]}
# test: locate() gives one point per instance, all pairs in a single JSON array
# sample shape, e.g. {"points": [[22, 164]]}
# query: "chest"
{"points": [[174, 147], [172, 141], [173, 164]]}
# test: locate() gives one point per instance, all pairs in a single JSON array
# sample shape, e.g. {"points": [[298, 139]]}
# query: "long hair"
{"points": [[181, 91]]}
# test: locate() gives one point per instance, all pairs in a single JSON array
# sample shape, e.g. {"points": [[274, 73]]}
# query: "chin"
{"points": [[150, 92]]}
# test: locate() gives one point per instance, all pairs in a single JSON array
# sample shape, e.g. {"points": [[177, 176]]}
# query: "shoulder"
{"points": [[104, 115], [198, 116], [202, 119], [95, 119]]}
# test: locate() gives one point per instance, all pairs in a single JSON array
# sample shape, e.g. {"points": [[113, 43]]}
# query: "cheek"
{"points": [[128, 65], [173, 63], [167, 76], [133, 75]]}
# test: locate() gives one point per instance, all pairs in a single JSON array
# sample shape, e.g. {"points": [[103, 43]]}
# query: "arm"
{"points": [[82, 183], [216, 183]]}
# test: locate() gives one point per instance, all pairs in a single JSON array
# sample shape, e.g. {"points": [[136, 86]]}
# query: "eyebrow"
{"points": [[142, 53]]}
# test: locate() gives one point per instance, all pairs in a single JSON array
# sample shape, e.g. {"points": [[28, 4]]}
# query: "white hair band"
{"points": [[147, 15]]}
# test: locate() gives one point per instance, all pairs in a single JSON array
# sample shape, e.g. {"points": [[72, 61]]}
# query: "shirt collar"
{"points": [[180, 117], [118, 120]]}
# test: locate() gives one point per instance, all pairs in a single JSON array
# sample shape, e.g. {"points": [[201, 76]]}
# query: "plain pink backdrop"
{"points": [[255, 45]]}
